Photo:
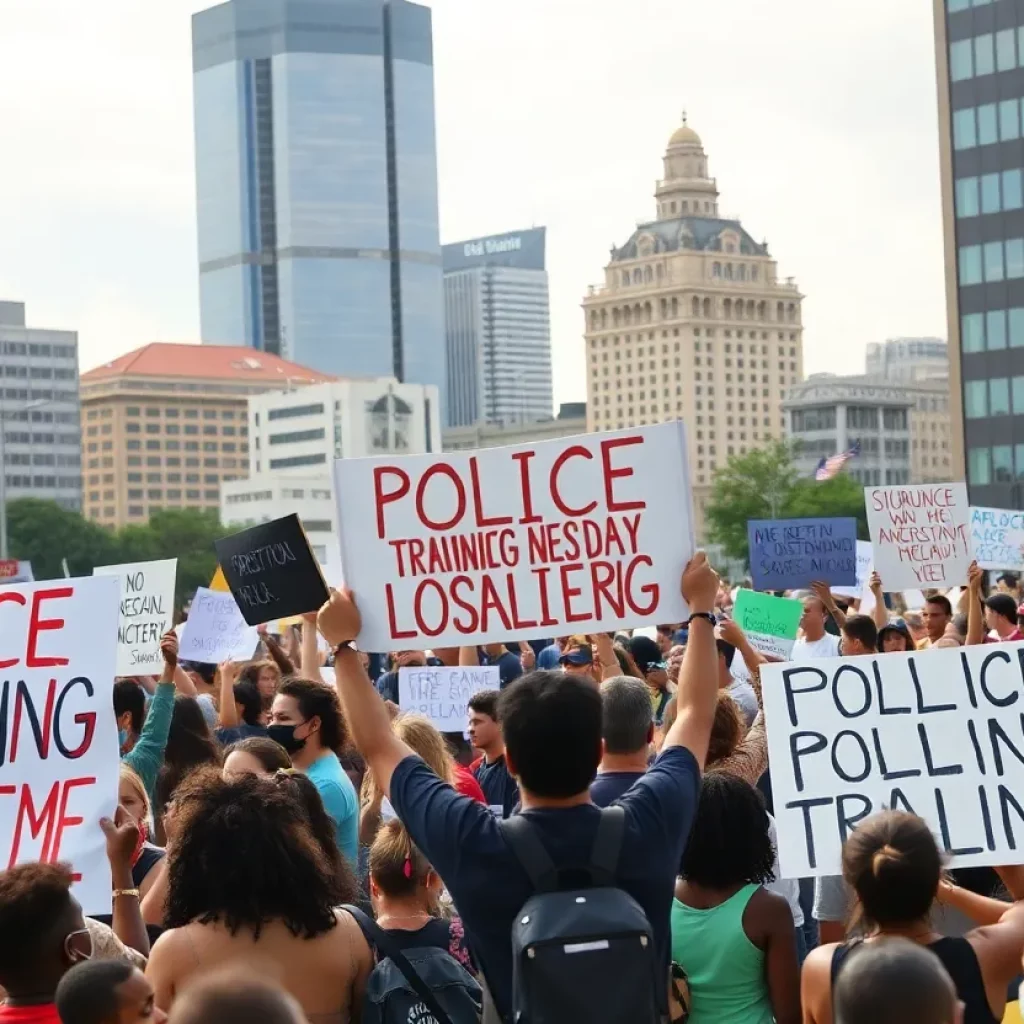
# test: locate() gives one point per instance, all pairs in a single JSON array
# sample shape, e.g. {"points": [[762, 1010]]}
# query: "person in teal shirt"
{"points": [[732, 936], [306, 720]]}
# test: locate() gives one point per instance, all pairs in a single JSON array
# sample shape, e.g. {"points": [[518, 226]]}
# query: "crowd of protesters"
{"points": [[269, 813]]}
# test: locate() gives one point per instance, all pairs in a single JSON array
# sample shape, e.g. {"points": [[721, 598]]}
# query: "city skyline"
{"points": [[842, 181]]}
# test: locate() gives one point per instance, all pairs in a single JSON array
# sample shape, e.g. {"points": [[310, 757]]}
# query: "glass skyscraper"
{"points": [[316, 171]]}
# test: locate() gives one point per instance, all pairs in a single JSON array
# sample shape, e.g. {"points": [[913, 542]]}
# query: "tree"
{"points": [[763, 484]]}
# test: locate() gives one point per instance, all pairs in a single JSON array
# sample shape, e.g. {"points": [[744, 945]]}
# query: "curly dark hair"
{"points": [[316, 700], [189, 746], [247, 856], [729, 844], [305, 792], [33, 899]]}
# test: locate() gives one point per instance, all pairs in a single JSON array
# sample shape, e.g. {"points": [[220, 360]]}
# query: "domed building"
{"points": [[692, 323]]}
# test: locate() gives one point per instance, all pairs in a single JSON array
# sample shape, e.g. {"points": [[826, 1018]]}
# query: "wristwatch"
{"points": [[702, 615], [345, 645]]}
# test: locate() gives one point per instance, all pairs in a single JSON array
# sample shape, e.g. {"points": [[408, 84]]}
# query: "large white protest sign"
{"points": [[442, 693], [215, 630], [147, 607], [938, 733], [921, 534], [997, 538], [58, 744], [575, 535]]}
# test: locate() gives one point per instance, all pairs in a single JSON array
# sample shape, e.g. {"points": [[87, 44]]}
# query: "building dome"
{"points": [[684, 135]]}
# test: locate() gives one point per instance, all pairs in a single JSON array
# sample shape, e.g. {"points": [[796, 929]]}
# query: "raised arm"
{"points": [[227, 673], [823, 592], [122, 837], [469, 656], [879, 613], [975, 616], [605, 650], [697, 694], [732, 633], [277, 654], [365, 713], [310, 661]]}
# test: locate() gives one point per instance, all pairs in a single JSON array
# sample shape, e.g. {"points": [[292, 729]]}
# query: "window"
{"points": [[970, 265], [299, 460], [990, 193], [979, 466], [999, 396], [1017, 393], [132, 428], [1009, 120], [1006, 50], [1002, 464], [967, 204], [984, 54], [1014, 258], [972, 332], [296, 410], [1016, 318], [964, 132], [988, 131], [995, 329], [992, 257], [297, 435], [975, 399], [894, 419], [1012, 192], [961, 60]]}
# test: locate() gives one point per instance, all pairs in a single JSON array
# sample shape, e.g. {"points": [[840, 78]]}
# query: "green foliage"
{"points": [[763, 484], [44, 533]]}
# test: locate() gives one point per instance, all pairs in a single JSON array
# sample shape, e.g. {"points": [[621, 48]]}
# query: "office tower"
{"points": [[908, 359], [165, 425], [980, 63], [40, 436], [316, 177], [693, 323], [498, 330]]}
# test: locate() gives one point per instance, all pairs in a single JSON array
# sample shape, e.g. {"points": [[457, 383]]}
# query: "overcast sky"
{"points": [[819, 120]]}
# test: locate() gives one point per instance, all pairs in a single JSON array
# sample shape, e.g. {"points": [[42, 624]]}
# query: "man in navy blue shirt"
{"points": [[491, 771], [627, 728], [552, 728], [510, 666]]}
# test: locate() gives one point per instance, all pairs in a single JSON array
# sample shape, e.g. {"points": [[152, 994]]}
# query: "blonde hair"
{"points": [[396, 865], [417, 732], [132, 777]]}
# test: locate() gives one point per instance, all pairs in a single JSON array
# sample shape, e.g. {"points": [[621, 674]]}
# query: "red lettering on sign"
{"points": [[610, 474], [577, 451], [37, 625], [478, 510], [382, 497], [443, 469], [11, 595], [523, 458]]}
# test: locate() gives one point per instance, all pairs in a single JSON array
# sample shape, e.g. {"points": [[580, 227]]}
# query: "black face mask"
{"points": [[285, 736]]}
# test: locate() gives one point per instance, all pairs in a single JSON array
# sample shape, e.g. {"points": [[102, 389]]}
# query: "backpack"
{"points": [[425, 985], [581, 954]]}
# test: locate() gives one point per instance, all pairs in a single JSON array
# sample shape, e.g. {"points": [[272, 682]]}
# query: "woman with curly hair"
{"points": [[249, 884], [732, 936]]}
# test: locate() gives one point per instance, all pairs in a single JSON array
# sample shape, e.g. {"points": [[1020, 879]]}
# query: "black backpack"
{"points": [[425, 985], [581, 954]]}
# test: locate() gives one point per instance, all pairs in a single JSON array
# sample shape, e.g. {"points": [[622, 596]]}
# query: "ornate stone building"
{"points": [[693, 323]]}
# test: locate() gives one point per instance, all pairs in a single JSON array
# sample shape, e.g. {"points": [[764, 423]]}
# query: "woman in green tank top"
{"points": [[733, 937]]}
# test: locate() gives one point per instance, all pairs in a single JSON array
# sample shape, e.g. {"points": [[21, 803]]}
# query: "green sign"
{"points": [[771, 623]]}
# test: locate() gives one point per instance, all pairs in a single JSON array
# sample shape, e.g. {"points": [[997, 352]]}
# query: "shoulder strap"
{"points": [[376, 936], [604, 858]]}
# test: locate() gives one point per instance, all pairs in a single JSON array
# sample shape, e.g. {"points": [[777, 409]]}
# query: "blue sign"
{"points": [[786, 554]]}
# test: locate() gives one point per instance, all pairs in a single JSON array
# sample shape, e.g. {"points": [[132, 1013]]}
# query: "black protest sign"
{"points": [[271, 570]]}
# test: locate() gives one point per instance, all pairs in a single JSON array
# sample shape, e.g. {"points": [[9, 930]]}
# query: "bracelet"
{"points": [[126, 892], [707, 616]]}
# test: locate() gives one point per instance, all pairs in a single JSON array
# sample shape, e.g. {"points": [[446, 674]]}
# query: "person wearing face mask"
{"points": [[42, 935], [305, 719]]}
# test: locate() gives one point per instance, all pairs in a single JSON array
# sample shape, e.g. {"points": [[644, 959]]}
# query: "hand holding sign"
{"points": [[169, 648], [699, 585], [339, 620]]}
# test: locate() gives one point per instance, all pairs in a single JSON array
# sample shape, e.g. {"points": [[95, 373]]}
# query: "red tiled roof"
{"points": [[228, 362]]}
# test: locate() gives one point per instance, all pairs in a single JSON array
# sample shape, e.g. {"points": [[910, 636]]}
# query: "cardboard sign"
{"points": [[575, 535], [271, 571], [147, 607], [997, 538], [58, 748], [786, 554], [215, 630], [771, 623], [442, 694], [937, 733], [921, 535]]}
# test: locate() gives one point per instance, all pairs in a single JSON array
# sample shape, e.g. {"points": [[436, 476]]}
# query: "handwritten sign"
{"points": [[997, 538], [789, 553], [13, 571], [558, 537], [938, 733], [865, 565], [272, 571], [147, 606], [58, 747], [442, 694], [771, 623], [921, 534], [215, 630]]}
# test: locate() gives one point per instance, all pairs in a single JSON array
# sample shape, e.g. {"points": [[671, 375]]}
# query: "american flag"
{"points": [[829, 467]]}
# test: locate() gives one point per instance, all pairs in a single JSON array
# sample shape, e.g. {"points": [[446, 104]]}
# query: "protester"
{"points": [[237, 996], [132, 797], [107, 992], [859, 636], [462, 757], [254, 756], [265, 676], [1001, 618], [814, 641], [510, 667], [915, 623], [551, 656], [500, 790], [739, 689], [732, 936], [895, 637], [627, 730], [938, 621], [405, 890], [551, 724], [243, 708], [893, 866], [387, 685], [650, 660], [306, 720], [248, 884]]}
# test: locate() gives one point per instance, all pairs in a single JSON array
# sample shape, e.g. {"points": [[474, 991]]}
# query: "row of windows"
{"points": [[135, 445], [989, 193], [984, 54], [873, 477], [986, 124], [961, 5], [699, 307], [997, 396], [297, 435], [25, 395], [858, 417], [997, 329], [20, 348], [299, 460], [16, 480], [315, 409], [39, 372], [1002, 260], [1001, 464]]}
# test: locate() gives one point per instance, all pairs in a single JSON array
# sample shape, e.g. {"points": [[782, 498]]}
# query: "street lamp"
{"points": [[3, 467]]}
